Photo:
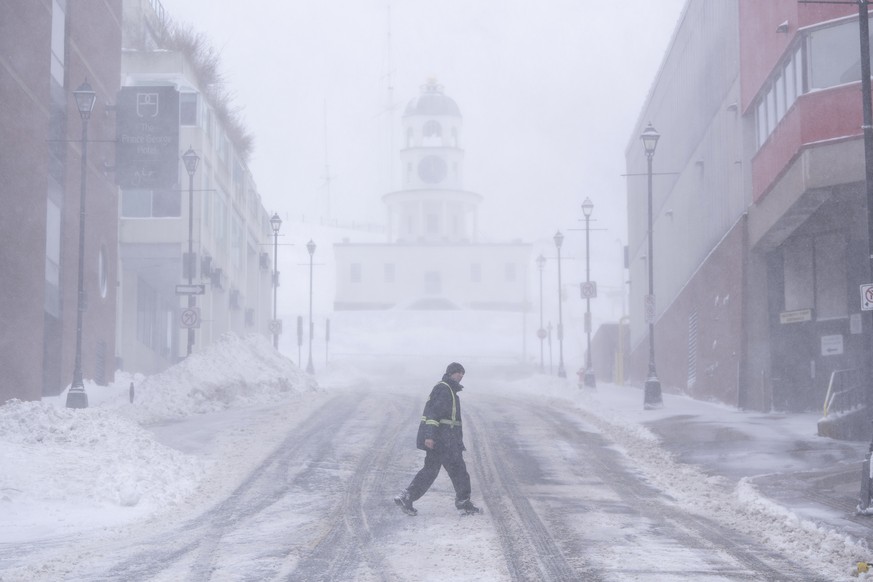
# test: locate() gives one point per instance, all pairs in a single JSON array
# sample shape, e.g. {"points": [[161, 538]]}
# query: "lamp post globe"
{"points": [[310, 246], [652, 393], [588, 379], [190, 159], [85, 98], [559, 240], [275, 224]]}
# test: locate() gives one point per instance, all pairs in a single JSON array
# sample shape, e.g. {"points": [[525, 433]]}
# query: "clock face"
{"points": [[432, 169]]}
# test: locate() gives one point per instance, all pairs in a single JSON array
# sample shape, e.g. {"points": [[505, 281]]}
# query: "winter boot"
{"points": [[405, 503], [466, 506]]}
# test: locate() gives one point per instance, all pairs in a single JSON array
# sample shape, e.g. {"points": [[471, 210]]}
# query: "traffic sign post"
{"points": [[588, 290], [189, 318], [190, 289]]}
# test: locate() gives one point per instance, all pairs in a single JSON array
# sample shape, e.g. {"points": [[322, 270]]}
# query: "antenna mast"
{"points": [[390, 109], [328, 177]]}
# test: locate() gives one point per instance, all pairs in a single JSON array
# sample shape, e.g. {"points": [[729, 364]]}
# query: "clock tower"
{"points": [[432, 258], [432, 205]]}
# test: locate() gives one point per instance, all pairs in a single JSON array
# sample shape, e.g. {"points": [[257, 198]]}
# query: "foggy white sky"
{"points": [[549, 92]]}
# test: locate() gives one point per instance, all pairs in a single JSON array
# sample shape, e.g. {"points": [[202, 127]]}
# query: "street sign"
{"points": [[190, 318], [190, 289], [541, 333], [831, 345], [276, 326], [867, 297], [588, 289]]}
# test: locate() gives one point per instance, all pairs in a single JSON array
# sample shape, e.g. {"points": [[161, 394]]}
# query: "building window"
{"points": [[779, 86], [798, 274], [433, 223], [206, 202], [221, 221], [355, 272], [432, 134], [210, 123], [389, 272], [188, 109], [154, 322], [146, 311], [432, 283], [223, 149], [831, 285], [778, 95], [102, 272], [833, 55], [238, 183], [509, 272], [816, 276], [476, 273], [410, 135], [59, 37], [761, 119], [151, 204], [52, 258]]}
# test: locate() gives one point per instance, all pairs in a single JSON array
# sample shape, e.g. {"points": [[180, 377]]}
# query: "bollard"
{"points": [[131, 392], [864, 502]]}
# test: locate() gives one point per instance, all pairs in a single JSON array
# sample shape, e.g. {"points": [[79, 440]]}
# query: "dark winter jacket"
{"points": [[441, 418]]}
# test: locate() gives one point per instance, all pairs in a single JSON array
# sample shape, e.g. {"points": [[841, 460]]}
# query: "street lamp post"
{"points": [[652, 396], [85, 99], [191, 159], [541, 332], [590, 380], [559, 240], [310, 246], [549, 332], [276, 224]]}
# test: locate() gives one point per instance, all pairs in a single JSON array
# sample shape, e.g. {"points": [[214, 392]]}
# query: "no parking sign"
{"points": [[867, 297]]}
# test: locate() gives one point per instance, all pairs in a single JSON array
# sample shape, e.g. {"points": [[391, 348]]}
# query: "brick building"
{"points": [[48, 48], [760, 230]]}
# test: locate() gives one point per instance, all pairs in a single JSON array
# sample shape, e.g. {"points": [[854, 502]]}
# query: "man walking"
{"points": [[441, 437]]}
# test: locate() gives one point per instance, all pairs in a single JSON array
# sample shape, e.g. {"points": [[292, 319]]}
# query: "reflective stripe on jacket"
{"points": [[441, 418]]}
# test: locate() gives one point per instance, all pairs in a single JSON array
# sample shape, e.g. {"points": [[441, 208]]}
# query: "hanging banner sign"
{"points": [[147, 138]]}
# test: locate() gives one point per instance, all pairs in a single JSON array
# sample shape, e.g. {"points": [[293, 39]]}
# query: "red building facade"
{"points": [[762, 308], [47, 49]]}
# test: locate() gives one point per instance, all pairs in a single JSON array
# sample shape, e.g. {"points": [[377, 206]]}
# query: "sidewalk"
{"points": [[817, 478]]}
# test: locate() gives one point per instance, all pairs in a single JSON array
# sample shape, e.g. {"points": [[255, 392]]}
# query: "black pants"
{"points": [[453, 460]]}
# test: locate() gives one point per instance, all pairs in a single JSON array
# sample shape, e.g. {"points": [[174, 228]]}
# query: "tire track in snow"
{"points": [[201, 537], [348, 546], [530, 551]]}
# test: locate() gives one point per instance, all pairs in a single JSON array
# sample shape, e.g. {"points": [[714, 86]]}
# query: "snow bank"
{"points": [[233, 372], [65, 469]]}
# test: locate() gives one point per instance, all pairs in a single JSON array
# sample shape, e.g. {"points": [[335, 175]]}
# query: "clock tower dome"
{"points": [[432, 205]]}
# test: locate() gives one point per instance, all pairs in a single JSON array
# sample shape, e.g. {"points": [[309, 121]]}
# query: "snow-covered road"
{"points": [[563, 502], [234, 465]]}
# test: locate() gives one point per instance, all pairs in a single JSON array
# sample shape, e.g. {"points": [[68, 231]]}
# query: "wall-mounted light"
{"points": [[782, 27]]}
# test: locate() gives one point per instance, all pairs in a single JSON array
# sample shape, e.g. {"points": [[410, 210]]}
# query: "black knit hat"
{"points": [[455, 367]]}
